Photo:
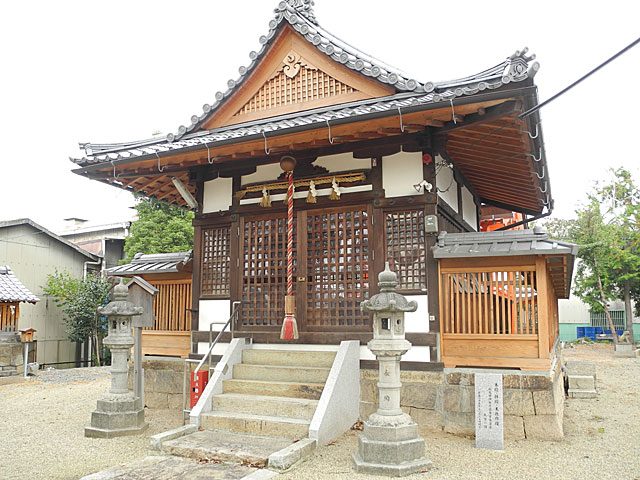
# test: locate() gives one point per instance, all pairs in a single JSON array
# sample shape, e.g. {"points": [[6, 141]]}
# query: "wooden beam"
{"points": [[506, 109]]}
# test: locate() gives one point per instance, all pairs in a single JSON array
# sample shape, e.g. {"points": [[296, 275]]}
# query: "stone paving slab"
{"points": [[226, 446], [165, 467]]}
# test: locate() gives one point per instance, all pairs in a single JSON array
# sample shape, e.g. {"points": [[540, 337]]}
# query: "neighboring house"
{"points": [[34, 252], [105, 241], [171, 274]]}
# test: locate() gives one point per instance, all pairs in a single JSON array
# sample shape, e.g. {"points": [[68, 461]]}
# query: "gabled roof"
{"points": [[12, 290], [507, 170], [153, 263], [299, 15], [31, 223]]}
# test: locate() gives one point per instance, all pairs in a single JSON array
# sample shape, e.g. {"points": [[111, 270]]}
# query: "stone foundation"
{"points": [[533, 402], [11, 357], [163, 379]]}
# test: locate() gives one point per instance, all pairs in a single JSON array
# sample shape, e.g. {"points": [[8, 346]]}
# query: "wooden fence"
{"points": [[498, 301], [171, 304], [9, 313], [497, 312]]}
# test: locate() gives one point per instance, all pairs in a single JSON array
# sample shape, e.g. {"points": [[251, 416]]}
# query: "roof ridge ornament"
{"points": [[303, 7]]}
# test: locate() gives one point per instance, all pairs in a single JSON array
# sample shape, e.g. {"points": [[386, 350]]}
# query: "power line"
{"points": [[581, 79]]}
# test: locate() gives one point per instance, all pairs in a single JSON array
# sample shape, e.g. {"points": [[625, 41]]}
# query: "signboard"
{"points": [[489, 411]]}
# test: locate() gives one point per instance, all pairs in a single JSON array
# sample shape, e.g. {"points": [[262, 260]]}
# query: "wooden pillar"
{"points": [[543, 286], [433, 276]]}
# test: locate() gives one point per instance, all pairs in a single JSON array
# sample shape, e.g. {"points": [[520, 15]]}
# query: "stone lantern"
{"points": [[119, 412], [390, 444]]}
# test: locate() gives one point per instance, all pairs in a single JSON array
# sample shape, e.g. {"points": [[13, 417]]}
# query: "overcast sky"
{"points": [[79, 71]]}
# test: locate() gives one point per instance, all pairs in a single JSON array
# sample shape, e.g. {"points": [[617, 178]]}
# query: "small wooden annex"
{"points": [[499, 296], [384, 163], [170, 274], [12, 294]]}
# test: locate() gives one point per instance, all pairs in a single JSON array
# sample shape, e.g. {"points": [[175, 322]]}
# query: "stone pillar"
{"points": [[390, 444], [119, 412]]}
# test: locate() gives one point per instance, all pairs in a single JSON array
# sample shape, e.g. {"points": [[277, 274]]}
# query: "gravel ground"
{"points": [[42, 421], [42, 424], [602, 439]]}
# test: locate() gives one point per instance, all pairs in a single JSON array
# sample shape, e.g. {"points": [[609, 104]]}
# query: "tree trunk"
{"points": [[604, 303], [96, 343], [628, 312]]}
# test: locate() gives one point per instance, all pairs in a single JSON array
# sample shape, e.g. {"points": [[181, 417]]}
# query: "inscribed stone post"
{"points": [[489, 411]]}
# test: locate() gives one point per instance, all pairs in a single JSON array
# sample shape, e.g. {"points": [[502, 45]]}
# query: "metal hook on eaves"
{"points": [[331, 139], [266, 150], [160, 169], [115, 177], [401, 124], [544, 173], [209, 159], [534, 157], [453, 112]]}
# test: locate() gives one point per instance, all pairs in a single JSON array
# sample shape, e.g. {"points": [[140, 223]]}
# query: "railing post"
{"points": [[542, 299]]}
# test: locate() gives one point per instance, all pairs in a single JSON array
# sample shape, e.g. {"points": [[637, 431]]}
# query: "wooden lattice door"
{"points": [[263, 257], [338, 264]]}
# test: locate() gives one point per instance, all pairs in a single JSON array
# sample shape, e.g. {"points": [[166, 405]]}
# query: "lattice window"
{"points": [[406, 249], [264, 271], [337, 267], [216, 256], [307, 85]]}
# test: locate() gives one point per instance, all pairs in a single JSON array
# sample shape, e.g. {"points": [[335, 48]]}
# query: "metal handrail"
{"points": [[212, 343]]}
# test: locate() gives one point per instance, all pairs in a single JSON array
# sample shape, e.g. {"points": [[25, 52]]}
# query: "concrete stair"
{"points": [[273, 394]]}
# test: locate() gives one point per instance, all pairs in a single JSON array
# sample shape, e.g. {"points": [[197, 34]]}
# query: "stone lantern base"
{"points": [[391, 446], [117, 416]]}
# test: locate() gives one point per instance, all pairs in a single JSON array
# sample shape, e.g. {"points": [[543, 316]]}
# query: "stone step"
{"points": [[288, 357], [231, 447], [311, 391], [294, 428], [280, 373], [266, 405]]}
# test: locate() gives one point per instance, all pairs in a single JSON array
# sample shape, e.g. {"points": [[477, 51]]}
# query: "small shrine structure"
{"points": [[382, 164]]}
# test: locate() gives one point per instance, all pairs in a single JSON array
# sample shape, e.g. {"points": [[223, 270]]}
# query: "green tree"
{"points": [[79, 300], [607, 230], [160, 228]]}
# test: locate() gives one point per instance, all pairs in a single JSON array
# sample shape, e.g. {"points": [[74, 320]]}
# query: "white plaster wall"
{"points": [[322, 192], [447, 186], [216, 311], [264, 173], [400, 172], [469, 209], [343, 162], [418, 321], [219, 349], [217, 195]]}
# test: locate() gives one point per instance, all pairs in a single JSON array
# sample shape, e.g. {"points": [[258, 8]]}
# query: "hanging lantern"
{"points": [[335, 190], [266, 198], [313, 193]]}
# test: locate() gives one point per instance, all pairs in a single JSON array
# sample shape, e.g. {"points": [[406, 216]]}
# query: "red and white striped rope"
{"points": [[290, 235]]}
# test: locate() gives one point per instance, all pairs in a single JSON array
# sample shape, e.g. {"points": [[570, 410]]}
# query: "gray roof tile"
{"points": [[152, 263], [12, 289]]}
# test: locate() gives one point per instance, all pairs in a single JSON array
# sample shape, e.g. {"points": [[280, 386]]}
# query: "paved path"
{"points": [[166, 467]]}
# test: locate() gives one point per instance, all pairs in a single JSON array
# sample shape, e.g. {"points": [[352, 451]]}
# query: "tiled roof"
{"points": [[152, 263], [500, 244], [12, 289], [299, 15], [488, 80]]}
